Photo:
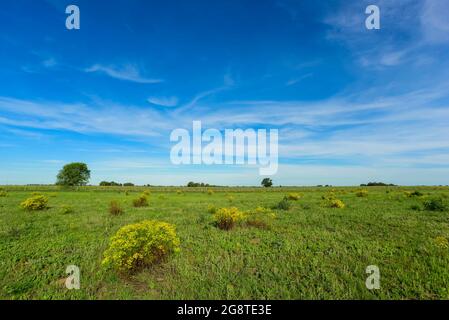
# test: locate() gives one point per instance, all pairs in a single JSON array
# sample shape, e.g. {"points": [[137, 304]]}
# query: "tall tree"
{"points": [[73, 174], [267, 182]]}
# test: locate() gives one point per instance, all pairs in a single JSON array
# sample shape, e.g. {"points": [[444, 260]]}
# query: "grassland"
{"points": [[310, 252]]}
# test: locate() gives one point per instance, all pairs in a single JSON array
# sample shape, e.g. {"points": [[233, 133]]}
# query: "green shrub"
{"points": [[36, 202], [3, 193], [139, 245], [260, 218], [141, 201], [211, 209], [415, 207], [435, 204], [226, 218], [336, 203], [362, 193], [408, 194], [293, 196], [330, 196], [65, 209], [284, 204], [114, 208], [210, 192], [416, 194]]}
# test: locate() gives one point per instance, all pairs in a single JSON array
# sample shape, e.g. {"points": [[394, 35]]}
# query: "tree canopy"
{"points": [[267, 182], [73, 174]]}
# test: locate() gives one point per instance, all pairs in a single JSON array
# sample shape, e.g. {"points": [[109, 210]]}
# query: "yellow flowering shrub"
{"points": [[293, 196], [141, 244], [335, 203], [36, 202], [226, 218], [442, 242], [362, 193], [330, 196]]}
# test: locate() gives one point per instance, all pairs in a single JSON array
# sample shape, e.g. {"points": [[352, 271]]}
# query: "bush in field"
{"points": [[408, 194], [114, 208], [139, 245], [259, 218], [146, 192], [179, 191], [330, 196], [441, 242], [226, 218], [3, 193], [336, 203], [210, 192], [415, 207], [417, 194], [211, 209], [362, 193], [284, 204], [435, 204], [293, 196], [230, 198], [141, 201], [37, 202], [65, 209]]}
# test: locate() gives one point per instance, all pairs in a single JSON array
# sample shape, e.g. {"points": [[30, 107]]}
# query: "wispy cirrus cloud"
{"points": [[126, 73], [164, 101]]}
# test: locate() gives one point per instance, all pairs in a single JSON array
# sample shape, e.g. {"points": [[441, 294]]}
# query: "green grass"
{"points": [[310, 252]]}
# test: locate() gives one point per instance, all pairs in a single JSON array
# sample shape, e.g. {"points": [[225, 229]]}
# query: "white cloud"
{"points": [[435, 22], [127, 73], [164, 101]]}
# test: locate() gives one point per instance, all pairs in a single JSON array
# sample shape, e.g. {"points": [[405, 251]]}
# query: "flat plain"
{"points": [[310, 251]]}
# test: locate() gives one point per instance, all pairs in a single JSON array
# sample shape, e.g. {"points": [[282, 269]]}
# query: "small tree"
{"points": [[73, 174], [267, 182]]}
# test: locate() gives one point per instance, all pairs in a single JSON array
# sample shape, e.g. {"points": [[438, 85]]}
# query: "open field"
{"points": [[310, 252]]}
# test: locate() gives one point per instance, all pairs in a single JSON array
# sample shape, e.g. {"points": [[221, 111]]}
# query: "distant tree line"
{"points": [[115, 184], [192, 184], [377, 184]]}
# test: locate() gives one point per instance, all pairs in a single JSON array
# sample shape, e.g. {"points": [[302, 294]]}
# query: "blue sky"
{"points": [[351, 105]]}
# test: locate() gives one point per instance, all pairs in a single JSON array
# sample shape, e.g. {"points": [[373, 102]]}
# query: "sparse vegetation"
{"points": [[435, 204], [284, 204], [65, 209], [362, 193], [115, 208], [275, 244], [141, 201]]}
